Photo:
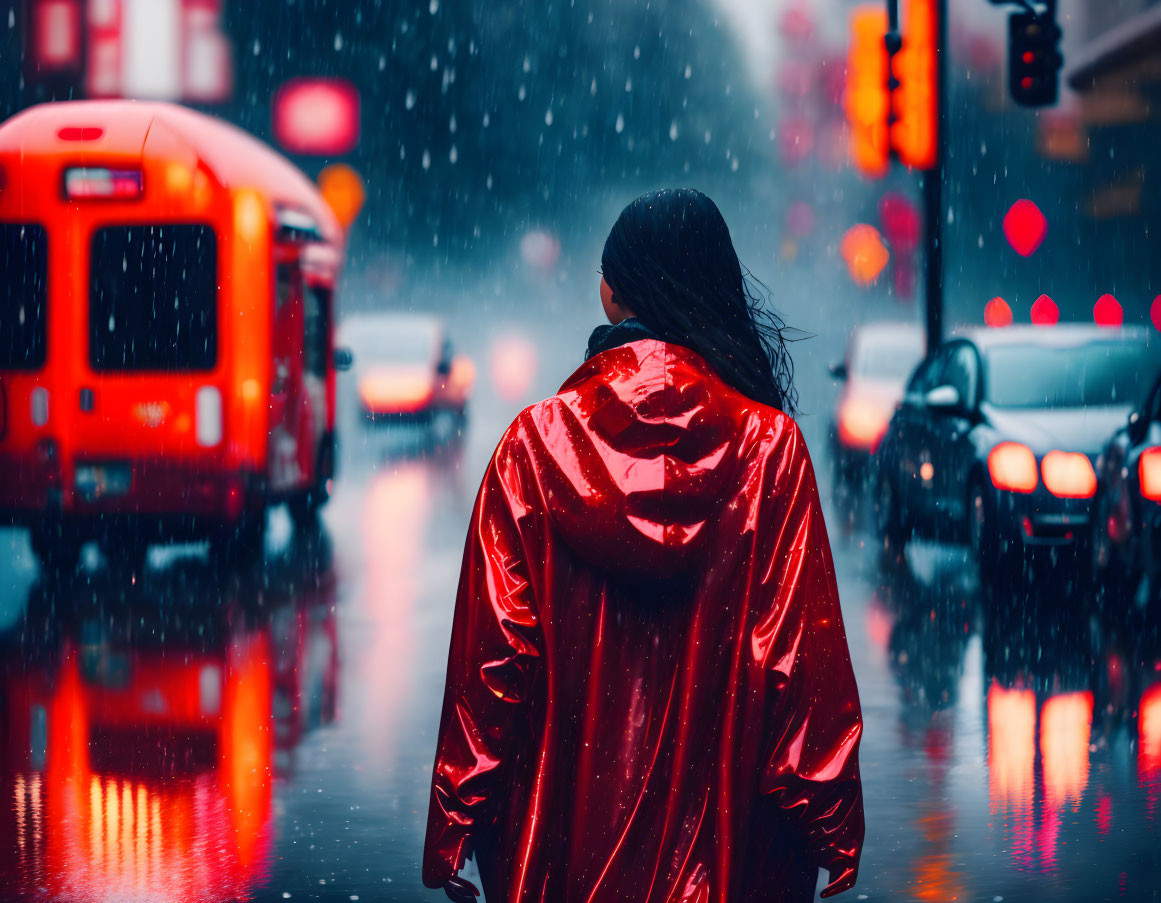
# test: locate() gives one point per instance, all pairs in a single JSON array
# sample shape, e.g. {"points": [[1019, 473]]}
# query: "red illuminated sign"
{"points": [[56, 27], [318, 116]]}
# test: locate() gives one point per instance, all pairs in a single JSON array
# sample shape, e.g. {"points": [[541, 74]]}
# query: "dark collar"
{"points": [[628, 330]]}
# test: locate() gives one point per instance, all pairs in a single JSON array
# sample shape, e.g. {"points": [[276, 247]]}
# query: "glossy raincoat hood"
{"points": [[635, 452]]}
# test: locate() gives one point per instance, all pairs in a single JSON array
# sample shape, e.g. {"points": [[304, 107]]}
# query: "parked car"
{"points": [[1126, 547], [878, 360], [995, 438], [408, 373]]}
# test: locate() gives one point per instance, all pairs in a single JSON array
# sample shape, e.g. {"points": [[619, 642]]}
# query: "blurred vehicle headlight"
{"points": [[1149, 472], [861, 424], [1012, 466], [1068, 475]]}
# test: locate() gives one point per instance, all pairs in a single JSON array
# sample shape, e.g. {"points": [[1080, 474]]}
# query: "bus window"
{"points": [[317, 328], [153, 298], [23, 296]]}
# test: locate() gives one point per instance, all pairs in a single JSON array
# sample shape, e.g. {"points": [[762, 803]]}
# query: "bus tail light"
{"points": [[1149, 472], [1068, 475], [208, 416], [86, 182], [1012, 466]]}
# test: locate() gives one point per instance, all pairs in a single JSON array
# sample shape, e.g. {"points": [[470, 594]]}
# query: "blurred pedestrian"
{"points": [[649, 694]]}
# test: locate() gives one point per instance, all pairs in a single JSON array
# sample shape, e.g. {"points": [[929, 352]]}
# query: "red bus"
{"points": [[167, 365]]}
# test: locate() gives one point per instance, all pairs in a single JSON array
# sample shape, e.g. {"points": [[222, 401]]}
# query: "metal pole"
{"points": [[933, 189]]}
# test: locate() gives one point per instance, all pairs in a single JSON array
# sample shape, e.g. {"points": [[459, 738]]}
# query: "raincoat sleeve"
{"points": [[811, 769], [494, 650]]}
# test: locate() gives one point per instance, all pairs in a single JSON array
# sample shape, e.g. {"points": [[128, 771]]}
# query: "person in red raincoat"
{"points": [[649, 694]]}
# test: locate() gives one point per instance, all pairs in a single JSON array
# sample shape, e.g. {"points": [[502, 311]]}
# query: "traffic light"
{"points": [[914, 101], [1034, 59], [865, 99]]}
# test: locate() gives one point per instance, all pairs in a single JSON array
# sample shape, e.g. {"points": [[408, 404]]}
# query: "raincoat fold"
{"points": [[649, 695]]}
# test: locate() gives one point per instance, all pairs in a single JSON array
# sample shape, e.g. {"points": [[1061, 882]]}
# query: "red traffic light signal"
{"points": [[1034, 59]]}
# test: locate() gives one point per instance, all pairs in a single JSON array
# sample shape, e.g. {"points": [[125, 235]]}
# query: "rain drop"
{"points": [[426, 159], [548, 117], [453, 154], [338, 40], [409, 100], [433, 7], [620, 123], [673, 130]]}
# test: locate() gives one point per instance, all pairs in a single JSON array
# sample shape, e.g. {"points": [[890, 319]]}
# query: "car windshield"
{"points": [[891, 360], [1100, 373]]}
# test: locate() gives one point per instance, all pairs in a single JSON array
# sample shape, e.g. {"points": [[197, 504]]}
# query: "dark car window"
{"points": [[961, 370], [23, 296], [153, 301], [316, 327], [1101, 373]]}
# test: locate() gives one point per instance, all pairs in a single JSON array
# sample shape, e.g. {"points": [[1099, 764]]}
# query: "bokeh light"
{"points": [[997, 313], [864, 252], [1025, 227], [1107, 312]]}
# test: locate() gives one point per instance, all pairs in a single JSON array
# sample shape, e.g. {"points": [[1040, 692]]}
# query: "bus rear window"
{"points": [[23, 296], [153, 298]]}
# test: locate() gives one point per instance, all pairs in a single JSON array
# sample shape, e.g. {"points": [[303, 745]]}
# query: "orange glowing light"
{"points": [[913, 134], [1149, 473], [861, 424], [864, 252], [1065, 726], [1011, 745], [1012, 467], [1068, 475], [342, 188], [865, 98], [463, 374], [997, 313]]}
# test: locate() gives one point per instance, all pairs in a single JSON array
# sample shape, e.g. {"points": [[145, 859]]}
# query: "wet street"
{"points": [[267, 732]]}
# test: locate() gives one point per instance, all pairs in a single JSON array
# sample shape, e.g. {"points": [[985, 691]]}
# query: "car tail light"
{"points": [[1012, 466], [861, 424], [387, 393], [1149, 472], [85, 182], [1068, 475], [208, 416]]}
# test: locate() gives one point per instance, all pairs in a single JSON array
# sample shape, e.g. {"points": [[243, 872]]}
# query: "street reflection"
{"points": [[144, 731], [1071, 698]]}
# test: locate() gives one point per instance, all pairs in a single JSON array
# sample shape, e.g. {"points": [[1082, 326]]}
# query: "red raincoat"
{"points": [[649, 694]]}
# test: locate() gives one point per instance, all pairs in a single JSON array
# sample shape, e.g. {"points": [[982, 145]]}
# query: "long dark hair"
{"points": [[670, 260]]}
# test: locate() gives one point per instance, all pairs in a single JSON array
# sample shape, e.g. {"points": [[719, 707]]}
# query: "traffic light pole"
{"points": [[934, 217]]}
